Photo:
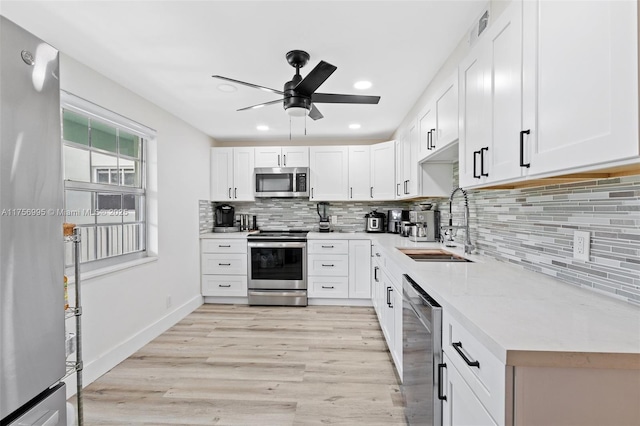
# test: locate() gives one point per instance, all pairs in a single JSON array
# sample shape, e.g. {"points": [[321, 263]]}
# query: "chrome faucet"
{"points": [[468, 247]]}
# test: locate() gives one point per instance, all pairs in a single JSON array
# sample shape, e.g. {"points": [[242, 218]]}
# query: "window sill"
{"points": [[111, 269]]}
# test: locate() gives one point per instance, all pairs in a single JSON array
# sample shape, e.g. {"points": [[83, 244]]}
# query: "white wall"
{"points": [[124, 310]]}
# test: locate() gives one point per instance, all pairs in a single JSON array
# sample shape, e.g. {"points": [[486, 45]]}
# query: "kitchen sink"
{"points": [[432, 255]]}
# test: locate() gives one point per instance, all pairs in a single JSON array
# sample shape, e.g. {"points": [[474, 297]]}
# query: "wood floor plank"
{"points": [[241, 365]]}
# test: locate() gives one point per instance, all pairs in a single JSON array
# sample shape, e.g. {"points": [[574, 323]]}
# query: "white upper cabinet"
{"points": [[446, 108], [491, 103], [329, 169], [426, 128], [360, 187], [407, 184], [295, 156], [286, 156], [232, 174], [550, 88], [581, 83], [399, 159], [382, 171]]}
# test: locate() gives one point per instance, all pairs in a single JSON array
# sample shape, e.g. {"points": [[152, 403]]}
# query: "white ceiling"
{"points": [[166, 51]]}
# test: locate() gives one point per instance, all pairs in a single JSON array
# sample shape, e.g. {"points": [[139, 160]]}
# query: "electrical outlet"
{"points": [[581, 245], [334, 219]]}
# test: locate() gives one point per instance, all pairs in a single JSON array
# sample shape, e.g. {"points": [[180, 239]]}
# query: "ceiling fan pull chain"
{"points": [[289, 127], [305, 124]]}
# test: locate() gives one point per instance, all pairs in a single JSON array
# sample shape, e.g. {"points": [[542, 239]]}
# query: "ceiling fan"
{"points": [[299, 95]]}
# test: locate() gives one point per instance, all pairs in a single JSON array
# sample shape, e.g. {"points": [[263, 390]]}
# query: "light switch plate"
{"points": [[334, 219], [582, 245]]}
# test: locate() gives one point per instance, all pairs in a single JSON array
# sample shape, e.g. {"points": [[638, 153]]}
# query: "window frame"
{"points": [[95, 112]]}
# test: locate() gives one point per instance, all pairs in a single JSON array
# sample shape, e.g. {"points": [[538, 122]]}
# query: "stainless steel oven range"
{"points": [[278, 268]]}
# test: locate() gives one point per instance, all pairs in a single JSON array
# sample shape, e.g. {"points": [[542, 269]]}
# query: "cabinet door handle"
{"points": [[475, 157], [433, 144], [235, 193], [278, 160], [398, 189], [221, 245], [371, 192], [458, 347], [522, 133], [389, 290], [327, 246], [351, 192], [328, 265], [429, 140], [441, 396], [482, 150], [327, 286], [312, 193], [229, 193], [375, 273], [224, 285], [224, 264], [406, 186], [284, 160]]}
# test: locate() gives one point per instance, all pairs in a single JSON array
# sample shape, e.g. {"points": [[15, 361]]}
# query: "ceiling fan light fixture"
{"points": [[294, 111], [362, 85]]}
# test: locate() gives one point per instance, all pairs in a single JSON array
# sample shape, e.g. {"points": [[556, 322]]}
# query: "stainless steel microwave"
{"points": [[286, 182]]}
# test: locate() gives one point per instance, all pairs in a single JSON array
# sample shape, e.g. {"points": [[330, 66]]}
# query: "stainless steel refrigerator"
{"points": [[32, 348]]}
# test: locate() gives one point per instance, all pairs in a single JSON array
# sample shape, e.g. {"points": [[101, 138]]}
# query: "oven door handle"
{"points": [[276, 244], [278, 293]]}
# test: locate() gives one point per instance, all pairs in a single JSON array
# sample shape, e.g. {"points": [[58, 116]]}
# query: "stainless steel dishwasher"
{"points": [[421, 355]]}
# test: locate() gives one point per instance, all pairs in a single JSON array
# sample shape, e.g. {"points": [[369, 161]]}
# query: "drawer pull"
{"points": [[441, 396], [327, 286], [327, 246], [331, 265], [224, 264], [389, 290], [224, 285], [375, 273], [458, 347], [222, 245]]}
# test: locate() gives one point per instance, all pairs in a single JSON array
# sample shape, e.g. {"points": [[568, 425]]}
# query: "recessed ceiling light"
{"points": [[227, 88], [262, 127], [354, 126], [361, 85]]}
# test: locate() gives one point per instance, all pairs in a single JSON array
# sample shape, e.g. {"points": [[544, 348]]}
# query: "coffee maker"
{"points": [[395, 218], [322, 209], [427, 225], [224, 221]]}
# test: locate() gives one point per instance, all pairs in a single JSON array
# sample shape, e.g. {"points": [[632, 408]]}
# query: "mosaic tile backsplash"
{"points": [[531, 227]]}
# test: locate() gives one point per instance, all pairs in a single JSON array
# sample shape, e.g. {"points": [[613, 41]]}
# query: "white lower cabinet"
{"points": [[475, 377], [223, 264], [339, 269], [461, 407], [359, 269], [387, 301]]}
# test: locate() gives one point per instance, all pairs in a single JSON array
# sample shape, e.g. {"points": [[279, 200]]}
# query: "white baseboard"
{"points": [[94, 369]]}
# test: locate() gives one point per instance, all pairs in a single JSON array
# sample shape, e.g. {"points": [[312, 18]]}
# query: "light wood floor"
{"points": [[240, 365]]}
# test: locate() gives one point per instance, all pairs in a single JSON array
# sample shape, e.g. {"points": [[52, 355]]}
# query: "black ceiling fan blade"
{"points": [[261, 105], [314, 113], [255, 86], [336, 98], [315, 78]]}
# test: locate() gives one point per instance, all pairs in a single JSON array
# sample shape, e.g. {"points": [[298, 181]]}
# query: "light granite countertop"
{"points": [[225, 235], [525, 318]]}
